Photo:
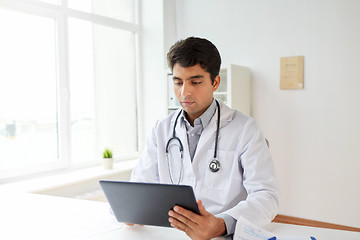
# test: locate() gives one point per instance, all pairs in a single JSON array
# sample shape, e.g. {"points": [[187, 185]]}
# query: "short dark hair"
{"points": [[194, 50]]}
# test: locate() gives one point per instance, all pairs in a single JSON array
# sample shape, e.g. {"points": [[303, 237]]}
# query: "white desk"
{"points": [[35, 216], [32, 216]]}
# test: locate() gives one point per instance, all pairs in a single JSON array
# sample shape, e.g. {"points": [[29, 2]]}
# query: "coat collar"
{"points": [[227, 114]]}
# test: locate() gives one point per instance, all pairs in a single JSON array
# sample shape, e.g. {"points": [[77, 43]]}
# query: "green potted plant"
{"points": [[108, 161]]}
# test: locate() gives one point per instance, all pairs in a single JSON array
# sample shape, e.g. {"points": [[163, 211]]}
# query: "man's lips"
{"points": [[187, 103]]}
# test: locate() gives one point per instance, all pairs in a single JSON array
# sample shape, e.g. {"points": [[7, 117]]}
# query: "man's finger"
{"points": [[182, 227], [189, 215], [202, 209], [181, 218]]}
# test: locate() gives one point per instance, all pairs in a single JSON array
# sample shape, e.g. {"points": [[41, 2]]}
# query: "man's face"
{"points": [[193, 89]]}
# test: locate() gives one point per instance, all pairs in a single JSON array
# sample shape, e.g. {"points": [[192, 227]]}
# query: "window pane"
{"points": [[118, 9], [102, 90], [28, 106]]}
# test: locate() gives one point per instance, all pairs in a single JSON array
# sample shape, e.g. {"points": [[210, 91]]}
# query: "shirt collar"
{"points": [[204, 118]]}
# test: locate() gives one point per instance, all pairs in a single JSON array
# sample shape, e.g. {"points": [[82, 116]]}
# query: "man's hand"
{"points": [[197, 227], [132, 224]]}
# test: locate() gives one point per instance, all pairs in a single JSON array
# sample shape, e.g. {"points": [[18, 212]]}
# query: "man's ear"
{"points": [[216, 83]]}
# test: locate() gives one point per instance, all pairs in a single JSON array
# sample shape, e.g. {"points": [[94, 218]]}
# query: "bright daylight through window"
{"points": [[67, 84]]}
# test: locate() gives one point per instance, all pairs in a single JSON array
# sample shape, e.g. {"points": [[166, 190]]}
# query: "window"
{"points": [[117, 9], [67, 83]]}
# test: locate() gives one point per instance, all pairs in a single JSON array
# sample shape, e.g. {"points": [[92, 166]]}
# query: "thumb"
{"points": [[202, 209]]}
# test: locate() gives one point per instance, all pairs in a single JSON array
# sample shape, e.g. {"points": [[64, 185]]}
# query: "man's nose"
{"points": [[186, 90]]}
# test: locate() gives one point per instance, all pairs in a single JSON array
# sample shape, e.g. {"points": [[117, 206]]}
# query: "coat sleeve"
{"points": [[262, 202], [146, 170]]}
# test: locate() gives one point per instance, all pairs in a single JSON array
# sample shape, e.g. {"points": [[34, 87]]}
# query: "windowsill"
{"points": [[63, 180]]}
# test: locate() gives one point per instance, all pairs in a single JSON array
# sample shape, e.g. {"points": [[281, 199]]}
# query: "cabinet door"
{"points": [[222, 91], [173, 103], [240, 91]]}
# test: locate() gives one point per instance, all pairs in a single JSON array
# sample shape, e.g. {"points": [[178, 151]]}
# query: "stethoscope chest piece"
{"points": [[214, 165]]}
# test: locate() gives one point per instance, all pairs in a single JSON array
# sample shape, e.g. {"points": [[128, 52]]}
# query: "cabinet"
{"points": [[234, 89]]}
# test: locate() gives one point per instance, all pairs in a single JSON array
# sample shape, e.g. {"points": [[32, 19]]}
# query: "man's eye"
{"points": [[196, 83], [177, 83]]}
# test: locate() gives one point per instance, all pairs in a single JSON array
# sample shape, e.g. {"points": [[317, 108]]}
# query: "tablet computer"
{"points": [[147, 203]]}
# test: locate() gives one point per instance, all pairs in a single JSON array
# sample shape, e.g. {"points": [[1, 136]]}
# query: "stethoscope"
{"points": [[214, 165]]}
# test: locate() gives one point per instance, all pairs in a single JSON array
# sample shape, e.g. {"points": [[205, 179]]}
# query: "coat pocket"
{"points": [[228, 174]]}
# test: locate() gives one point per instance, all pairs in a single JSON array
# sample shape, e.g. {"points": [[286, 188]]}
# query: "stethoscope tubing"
{"points": [[214, 164], [217, 128]]}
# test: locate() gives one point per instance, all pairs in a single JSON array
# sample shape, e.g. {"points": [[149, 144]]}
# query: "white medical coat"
{"points": [[245, 184]]}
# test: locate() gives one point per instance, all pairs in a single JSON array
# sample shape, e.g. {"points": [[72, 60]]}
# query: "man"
{"points": [[232, 178]]}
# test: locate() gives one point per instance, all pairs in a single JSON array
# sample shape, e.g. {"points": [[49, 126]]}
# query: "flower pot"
{"points": [[108, 163]]}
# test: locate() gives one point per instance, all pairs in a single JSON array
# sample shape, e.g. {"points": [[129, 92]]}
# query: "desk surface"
{"points": [[32, 216]]}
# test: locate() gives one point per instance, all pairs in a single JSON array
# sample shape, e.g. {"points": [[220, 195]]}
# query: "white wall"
{"points": [[314, 133]]}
